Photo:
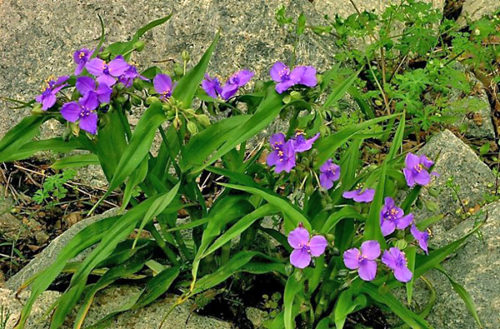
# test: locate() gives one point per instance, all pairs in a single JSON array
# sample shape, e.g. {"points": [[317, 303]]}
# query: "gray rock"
{"points": [[475, 267], [478, 123], [458, 161], [475, 9], [108, 301], [49, 254], [12, 306], [151, 316], [256, 316]]}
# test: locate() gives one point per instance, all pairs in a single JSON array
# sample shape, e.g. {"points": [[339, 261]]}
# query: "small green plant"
{"points": [[4, 316], [54, 189]]}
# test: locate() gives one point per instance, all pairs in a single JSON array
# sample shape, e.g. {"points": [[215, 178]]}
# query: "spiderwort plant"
{"points": [[330, 243]]}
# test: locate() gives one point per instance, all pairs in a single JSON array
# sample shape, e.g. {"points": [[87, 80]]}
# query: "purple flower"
{"points": [[305, 247], [83, 111], [363, 260], [81, 57], [392, 217], [283, 154], [360, 195], [48, 97], [163, 85], [107, 72], [329, 173], [304, 75], [416, 170], [211, 86], [86, 84], [300, 143], [237, 80], [395, 259], [129, 76], [421, 236]]}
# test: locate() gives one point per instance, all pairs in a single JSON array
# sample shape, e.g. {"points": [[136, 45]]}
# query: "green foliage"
{"points": [[53, 189], [205, 194]]}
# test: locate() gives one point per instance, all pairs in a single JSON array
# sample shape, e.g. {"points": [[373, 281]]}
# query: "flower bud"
{"points": [[178, 70], [177, 123], [139, 45], [104, 54], [185, 56], [401, 244], [323, 130], [152, 99], [37, 109], [287, 99], [75, 128], [190, 112], [192, 128], [203, 120], [295, 95]]}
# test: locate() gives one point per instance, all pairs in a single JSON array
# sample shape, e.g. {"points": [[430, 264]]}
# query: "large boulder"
{"points": [[471, 179]]}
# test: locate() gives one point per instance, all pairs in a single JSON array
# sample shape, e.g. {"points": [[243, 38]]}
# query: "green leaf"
{"points": [[16, 137], [412, 319], [224, 272], [301, 24], [327, 146], [335, 217], [81, 241], [157, 286], [292, 213], [265, 113], [115, 234], [410, 253], [346, 303], [188, 85], [466, 297], [397, 142], [135, 179], [372, 227], [203, 144], [292, 288], [339, 91], [140, 144], [56, 145], [76, 161], [240, 226]]}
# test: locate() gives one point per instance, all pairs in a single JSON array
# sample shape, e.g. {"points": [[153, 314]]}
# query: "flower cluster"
{"points": [[286, 78], [416, 170], [213, 87], [305, 246], [364, 260], [94, 90], [283, 152]]}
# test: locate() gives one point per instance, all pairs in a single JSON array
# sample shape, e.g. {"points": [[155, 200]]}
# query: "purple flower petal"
{"points": [[85, 84], [211, 86], [95, 66], [411, 160], [300, 258], [298, 238], [283, 86], [278, 71], [389, 258], [387, 226], [89, 123], [410, 180], [48, 101], [272, 158], [425, 161], [351, 258], [241, 78], [118, 66], [325, 181], [421, 236], [403, 274], [106, 80], [228, 91], [404, 222], [104, 93], [318, 245], [301, 144], [370, 249], [89, 101], [422, 178], [367, 270], [359, 195], [71, 111], [277, 139], [163, 84], [287, 160], [304, 75]]}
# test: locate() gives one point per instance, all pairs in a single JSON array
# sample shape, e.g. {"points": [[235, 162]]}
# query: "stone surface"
{"points": [[478, 123], [108, 301], [475, 267], [475, 9], [458, 161], [49, 254], [12, 308]]}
